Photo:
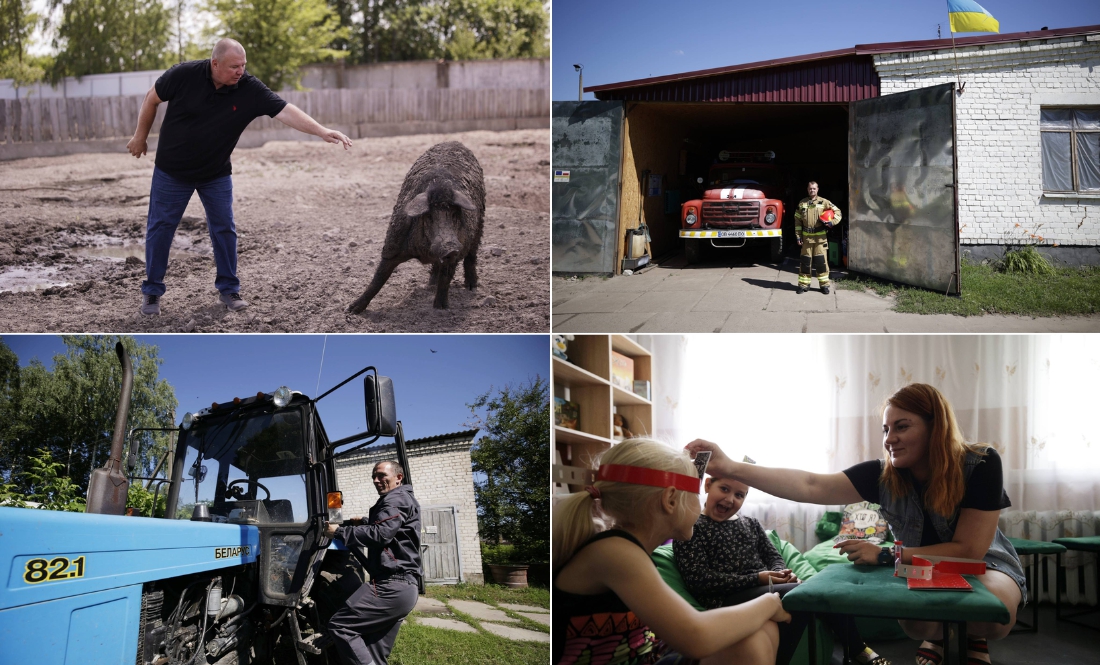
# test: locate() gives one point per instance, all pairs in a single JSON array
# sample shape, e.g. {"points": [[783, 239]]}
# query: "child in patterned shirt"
{"points": [[729, 560]]}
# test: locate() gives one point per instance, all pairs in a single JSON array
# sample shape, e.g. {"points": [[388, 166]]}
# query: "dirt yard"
{"points": [[311, 219]]}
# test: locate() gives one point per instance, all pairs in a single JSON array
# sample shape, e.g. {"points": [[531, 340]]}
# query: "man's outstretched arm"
{"points": [[296, 118], [138, 145]]}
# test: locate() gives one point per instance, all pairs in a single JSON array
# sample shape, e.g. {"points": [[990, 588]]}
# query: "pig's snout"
{"points": [[445, 252], [445, 244]]}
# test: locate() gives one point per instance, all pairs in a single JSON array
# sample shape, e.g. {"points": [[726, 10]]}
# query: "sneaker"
{"points": [[150, 305], [800, 289], [233, 301], [825, 289]]}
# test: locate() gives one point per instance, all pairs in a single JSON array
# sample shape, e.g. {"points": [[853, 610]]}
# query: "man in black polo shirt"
{"points": [[211, 103]]}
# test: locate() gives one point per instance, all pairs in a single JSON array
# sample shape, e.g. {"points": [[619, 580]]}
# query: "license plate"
{"points": [[731, 234]]}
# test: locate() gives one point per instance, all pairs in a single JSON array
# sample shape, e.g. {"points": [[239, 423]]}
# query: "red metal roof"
{"points": [[841, 75], [844, 79]]}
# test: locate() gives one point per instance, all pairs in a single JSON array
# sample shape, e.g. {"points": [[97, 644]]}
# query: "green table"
{"points": [[1036, 549], [1082, 544], [874, 591]]}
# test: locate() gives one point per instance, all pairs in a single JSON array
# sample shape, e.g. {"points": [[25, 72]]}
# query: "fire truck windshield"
{"points": [[246, 468]]}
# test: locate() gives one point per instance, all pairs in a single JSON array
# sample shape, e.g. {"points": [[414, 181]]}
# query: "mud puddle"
{"points": [[30, 278], [99, 246]]}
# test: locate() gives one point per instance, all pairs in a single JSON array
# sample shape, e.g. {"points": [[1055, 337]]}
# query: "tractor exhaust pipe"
{"points": [[108, 487]]}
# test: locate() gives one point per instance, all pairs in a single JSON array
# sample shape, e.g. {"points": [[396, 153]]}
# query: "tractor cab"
{"points": [[245, 465]]}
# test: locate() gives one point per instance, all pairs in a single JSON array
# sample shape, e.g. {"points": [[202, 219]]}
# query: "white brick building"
{"points": [[1001, 191], [442, 475]]}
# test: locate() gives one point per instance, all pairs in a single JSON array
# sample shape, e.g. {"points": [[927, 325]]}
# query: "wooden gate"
{"points": [[439, 545]]}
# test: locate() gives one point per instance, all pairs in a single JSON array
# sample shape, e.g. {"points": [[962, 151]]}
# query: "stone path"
{"points": [[677, 298], [492, 619]]}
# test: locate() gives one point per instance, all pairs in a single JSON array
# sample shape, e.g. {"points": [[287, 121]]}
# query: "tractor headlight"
{"points": [[281, 396], [691, 219], [770, 218], [188, 420]]}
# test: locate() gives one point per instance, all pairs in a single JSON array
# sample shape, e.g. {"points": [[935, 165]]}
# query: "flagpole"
{"points": [[958, 80]]}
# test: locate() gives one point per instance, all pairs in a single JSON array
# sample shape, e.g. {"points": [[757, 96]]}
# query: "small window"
{"points": [[1071, 149]]}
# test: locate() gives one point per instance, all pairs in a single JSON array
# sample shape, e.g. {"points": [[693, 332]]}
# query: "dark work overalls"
{"points": [[365, 628]]}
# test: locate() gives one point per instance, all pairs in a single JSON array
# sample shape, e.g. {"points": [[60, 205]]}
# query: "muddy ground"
{"points": [[311, 219]]}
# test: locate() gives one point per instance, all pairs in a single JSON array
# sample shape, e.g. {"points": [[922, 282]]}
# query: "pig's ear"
{"points": [[463, 201], [418, 205]]}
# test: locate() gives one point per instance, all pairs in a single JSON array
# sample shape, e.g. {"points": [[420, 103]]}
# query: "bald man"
{"points": [[210, 104]]}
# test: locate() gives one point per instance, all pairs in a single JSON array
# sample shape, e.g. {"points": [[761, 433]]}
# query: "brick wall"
{"points": [[999, 159], [442, 475]]}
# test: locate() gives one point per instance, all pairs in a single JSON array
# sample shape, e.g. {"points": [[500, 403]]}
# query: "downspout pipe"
{"points": [[108, 486]]}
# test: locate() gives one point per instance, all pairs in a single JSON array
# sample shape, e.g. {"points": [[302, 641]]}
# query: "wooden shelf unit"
{"points": [[587, 374]]}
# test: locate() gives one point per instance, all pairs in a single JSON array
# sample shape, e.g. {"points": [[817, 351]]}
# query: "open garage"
{"points": [[680, 142], [787, 119]]}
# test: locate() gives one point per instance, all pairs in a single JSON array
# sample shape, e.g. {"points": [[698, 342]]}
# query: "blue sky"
{"points": [[621, 41], [432, 389]]}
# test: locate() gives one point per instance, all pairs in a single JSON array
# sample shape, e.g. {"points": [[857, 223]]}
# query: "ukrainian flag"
{"points": [[969, 16]]}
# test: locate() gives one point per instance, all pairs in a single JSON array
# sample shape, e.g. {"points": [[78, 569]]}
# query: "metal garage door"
{"points": [[587, 165], [902, 182], [439, 545]]}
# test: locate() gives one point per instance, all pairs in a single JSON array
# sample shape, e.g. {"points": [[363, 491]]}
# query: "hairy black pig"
{"points": [[437, 220]]}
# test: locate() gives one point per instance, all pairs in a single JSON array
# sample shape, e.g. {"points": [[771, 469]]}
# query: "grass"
{"points": [[986, 290], [421, 645]]}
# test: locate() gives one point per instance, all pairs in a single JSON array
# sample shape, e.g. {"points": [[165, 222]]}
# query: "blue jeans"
{"points": [[168, 198]]}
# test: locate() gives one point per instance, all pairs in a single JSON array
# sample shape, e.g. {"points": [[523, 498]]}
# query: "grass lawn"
{"points": [[423, 645], [1067, 292]]}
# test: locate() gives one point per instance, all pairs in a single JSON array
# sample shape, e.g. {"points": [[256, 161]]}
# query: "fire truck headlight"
{"points": [[188, 420], [281, 396], [770, 218], [691, 219]]}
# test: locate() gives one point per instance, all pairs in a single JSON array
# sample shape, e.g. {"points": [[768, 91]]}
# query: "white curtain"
{"points": [[1025, 395], [814, 403], [669, 361]]}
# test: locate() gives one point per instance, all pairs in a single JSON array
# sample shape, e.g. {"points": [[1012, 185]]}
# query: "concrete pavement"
{"points": [[676, 298]]}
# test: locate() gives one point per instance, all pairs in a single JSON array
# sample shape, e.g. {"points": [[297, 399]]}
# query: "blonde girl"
{"points": [[610, 605]]}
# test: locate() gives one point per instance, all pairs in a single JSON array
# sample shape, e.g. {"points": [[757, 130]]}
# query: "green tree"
{"points": [[513, 499], [69, 411], [496, 29], [17, 21], [182, 45], [106, 36], [141, 500], [45, 483], [279, 36], [390, 30]]}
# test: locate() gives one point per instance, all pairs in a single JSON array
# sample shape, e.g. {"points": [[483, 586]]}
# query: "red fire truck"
{"points": [[741, 202]]}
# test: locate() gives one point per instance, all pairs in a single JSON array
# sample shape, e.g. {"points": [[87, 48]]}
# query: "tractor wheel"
{"points": [[693, 250]]}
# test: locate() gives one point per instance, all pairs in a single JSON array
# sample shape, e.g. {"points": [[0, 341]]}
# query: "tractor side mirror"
{"points": [[381, 407]]}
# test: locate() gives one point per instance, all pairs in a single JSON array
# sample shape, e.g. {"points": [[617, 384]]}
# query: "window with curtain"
{"points": [[1070, 142], [814, 403]]}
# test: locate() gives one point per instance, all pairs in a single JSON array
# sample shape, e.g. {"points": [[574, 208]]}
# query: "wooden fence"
{"points": [[44, 121]]}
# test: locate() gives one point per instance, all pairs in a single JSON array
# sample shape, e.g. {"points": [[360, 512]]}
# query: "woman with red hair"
{"points": [[937, 492]]}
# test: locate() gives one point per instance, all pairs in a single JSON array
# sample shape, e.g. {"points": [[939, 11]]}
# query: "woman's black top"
{"points": [[983, 491]]}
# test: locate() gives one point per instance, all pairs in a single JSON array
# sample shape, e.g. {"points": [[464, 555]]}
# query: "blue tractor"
{"points": [[237, 570]]}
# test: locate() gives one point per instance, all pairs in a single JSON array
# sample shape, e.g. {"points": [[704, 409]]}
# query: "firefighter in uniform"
{"points": [[811, 230]]}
